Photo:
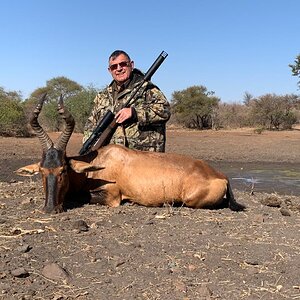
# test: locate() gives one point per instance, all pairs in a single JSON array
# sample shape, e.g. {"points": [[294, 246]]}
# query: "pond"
{"points": [[280, 178]]}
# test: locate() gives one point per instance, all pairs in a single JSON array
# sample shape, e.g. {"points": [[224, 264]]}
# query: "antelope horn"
{"points": [[41, 134], [62, 141]]}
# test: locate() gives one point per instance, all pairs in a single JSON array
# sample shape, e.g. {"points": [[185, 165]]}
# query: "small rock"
{"points": [[55, 272], [288, 202], [119, 263], [149, 222], [192, 268], [16, 231], [271, 201], [285, 212], [252, 262], [252, 270], [20, 273], [59, 297], [80, 225], [108, 280], [258, 218], [204, 292], [24, 248], [137, 245], [279, 288], [99, 224], [296, 207], [27, 202], [5, 290]]}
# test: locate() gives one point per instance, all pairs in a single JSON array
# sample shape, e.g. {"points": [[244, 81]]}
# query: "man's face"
{"points": [[120, 68]]}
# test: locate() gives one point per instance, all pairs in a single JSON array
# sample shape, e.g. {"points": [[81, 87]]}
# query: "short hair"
{"points": [[116, 53]]}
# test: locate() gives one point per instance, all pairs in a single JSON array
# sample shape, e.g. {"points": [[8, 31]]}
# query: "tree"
{"points": [[194, 107], [54, 88], [80, 106], [233, 115], [247, 98], [296, 68], [275, 112], [58, 86], [12, 118]]}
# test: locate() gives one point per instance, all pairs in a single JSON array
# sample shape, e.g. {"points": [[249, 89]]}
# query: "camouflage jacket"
{"points": [[146, 130]]}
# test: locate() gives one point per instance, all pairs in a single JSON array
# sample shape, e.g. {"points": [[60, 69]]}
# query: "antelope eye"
{"points": [[61, 171]]}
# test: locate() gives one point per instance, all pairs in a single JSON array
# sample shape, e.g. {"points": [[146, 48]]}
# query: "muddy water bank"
{"points": [[281, 178]]}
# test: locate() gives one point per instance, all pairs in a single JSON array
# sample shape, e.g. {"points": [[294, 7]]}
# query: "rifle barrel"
{"points": [[155, 65], [147, 76]]}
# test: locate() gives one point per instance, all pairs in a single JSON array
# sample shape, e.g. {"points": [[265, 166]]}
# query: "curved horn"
{"points": [[41, 134], [62, 141]]}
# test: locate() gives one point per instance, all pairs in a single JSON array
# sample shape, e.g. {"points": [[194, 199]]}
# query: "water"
{"points": [[281, 178]]}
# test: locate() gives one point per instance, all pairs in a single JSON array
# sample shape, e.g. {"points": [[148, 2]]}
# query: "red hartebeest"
{"points": [[115, 173]]}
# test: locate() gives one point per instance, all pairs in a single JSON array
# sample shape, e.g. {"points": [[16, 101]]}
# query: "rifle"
{"points": [[107, 126]]}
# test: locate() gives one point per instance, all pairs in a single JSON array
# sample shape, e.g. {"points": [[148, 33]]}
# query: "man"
{"points": [[143, 125]]}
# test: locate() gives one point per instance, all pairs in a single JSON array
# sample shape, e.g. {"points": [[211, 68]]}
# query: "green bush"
{"points": [[195, 107], [274, 111], [12, 118], [80, 106]]}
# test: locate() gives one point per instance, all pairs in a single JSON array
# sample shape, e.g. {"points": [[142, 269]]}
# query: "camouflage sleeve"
{"points": [[154, 108], [101, 104]]}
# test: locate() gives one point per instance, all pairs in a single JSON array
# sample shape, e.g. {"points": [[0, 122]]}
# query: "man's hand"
{"points": [[123, 115]]}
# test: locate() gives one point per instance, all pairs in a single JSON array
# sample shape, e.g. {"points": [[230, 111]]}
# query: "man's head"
{"points": [[120, 66]]}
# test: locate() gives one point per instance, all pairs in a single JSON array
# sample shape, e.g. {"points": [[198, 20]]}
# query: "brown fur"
{"points": [[154, 179], [115, 173]]}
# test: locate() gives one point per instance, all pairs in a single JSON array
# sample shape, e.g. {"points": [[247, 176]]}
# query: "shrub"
{"points": [[274, 112], [12, 118], [233, 115]]}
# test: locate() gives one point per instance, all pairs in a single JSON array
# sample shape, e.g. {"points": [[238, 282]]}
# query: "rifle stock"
{"points": [[105, 130], [102, 126], [106, 136]]}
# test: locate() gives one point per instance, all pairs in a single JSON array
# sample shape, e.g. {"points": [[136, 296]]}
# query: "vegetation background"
{"points": [[194, 107]]}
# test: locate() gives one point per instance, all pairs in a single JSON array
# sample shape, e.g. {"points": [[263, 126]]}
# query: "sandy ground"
{"points": [[135, 252]]}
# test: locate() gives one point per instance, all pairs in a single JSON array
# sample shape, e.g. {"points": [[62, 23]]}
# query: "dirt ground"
{"points": [[135, 252]]}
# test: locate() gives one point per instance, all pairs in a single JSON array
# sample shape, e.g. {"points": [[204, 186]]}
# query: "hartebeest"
{"points": [[115, 173]]}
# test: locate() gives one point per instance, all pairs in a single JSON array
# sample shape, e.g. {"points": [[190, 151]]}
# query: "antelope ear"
{"points": [[82, 167], [29, 170]]}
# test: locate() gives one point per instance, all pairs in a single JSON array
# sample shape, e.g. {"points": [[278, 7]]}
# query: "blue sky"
{"points": [[229, 46]]}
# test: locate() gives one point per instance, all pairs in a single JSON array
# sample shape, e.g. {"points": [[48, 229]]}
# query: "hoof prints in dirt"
{"points": [[135, 252]]}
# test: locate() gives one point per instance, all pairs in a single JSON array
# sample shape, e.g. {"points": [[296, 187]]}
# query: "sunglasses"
{"points": [[122, 64]]}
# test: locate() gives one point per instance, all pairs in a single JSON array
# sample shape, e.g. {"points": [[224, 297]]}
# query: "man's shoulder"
{"points": [[104, 91], [103, 94]]}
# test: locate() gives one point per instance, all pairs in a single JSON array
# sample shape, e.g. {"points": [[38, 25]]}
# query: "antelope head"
{"points": [[54, 166]]}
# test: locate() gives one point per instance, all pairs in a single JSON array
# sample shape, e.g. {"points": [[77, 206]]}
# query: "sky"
{"points": [[229, 46]]}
